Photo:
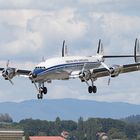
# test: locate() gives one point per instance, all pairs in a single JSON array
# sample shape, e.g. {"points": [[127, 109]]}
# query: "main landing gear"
{"points": [[42, 90], [93, 88]]}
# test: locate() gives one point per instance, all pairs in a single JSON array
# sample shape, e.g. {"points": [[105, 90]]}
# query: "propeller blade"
{"points": [[10, 80], [7, 64], [83, 69], [109, 80], [105, 66]]}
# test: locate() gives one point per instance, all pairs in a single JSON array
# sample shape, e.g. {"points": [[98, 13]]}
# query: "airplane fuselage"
{"points": [[61, 68]]}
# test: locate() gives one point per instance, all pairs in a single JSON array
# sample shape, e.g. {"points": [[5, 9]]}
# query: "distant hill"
{"points": [[67, 109]]}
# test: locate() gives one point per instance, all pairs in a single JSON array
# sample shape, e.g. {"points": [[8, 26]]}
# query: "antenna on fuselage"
{"points": [[64, 49]]}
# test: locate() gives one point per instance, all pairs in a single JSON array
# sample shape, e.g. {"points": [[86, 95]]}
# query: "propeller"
{"points": [[7, 71]]}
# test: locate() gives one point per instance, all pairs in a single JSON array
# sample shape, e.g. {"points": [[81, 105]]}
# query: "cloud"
{"points": [[94, 2], [63, 23], [30, 4], [37, 31]]}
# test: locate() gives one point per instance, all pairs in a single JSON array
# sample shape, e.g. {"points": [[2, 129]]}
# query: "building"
{"points": [[65, 134], [46, 138], [101, 136], [12, 135]]}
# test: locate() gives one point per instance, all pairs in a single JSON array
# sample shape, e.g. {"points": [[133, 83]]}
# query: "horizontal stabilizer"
{"points": [[136, 55]]}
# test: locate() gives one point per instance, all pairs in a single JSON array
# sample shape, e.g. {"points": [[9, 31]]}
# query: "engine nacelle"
{"points": [[115, 70], [85, 75], [8, 73]]}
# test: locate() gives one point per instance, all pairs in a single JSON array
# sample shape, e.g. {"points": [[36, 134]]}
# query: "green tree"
{"points": [[116, 134]]}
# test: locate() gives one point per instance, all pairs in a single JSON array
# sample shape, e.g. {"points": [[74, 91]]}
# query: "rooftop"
{"points": [[46, 138]]}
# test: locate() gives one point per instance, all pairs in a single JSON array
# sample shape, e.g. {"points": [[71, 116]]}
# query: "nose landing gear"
{"points": [[42, 90]]}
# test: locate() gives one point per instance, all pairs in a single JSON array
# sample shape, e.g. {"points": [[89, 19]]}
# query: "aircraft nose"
{"points": [[37, 71], [33, 74]]}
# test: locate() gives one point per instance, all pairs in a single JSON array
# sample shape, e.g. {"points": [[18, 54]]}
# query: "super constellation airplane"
{"points": [[87, 68]]}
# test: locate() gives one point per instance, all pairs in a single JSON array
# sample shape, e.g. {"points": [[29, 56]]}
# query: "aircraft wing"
{"points": [[115, 70], [23, 72], [1, 69], [13, 71]]}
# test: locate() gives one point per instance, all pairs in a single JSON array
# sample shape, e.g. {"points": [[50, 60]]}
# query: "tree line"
{"points": [[80, 130], [5, 118]]}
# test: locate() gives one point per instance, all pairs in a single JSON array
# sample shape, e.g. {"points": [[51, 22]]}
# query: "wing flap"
{"points": [[101, 72]]}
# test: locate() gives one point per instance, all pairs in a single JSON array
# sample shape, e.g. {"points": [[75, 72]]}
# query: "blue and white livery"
{"points": [[86, 68]]}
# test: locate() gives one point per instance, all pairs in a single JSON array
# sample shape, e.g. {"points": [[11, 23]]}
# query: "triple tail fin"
{"points": [[100, 49], [137, 51], [64, 49]]}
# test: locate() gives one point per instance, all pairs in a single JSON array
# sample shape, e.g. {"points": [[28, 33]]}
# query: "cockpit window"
{"points": [[40, 67]]}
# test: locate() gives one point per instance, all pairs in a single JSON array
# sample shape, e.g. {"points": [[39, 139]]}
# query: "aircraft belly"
{"points": [[53, 76], [57, 76]]}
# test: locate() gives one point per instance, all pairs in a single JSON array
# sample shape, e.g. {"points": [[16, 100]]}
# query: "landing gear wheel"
{"points": [[90, 89], [40, 96], [94, 89], [45, 90]]}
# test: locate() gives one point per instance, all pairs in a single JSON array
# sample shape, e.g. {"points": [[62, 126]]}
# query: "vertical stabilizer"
{"points": [[100, 49], [137, 51], [64, 49]]}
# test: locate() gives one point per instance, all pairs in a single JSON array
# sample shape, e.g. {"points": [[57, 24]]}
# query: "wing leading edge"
{"points": [[23, 72]]}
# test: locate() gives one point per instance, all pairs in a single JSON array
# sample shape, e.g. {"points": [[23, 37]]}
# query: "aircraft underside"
{"points": [[84, 75]]}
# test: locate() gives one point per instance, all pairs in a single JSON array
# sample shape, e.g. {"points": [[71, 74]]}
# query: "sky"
{"points": [[31, 30]]}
